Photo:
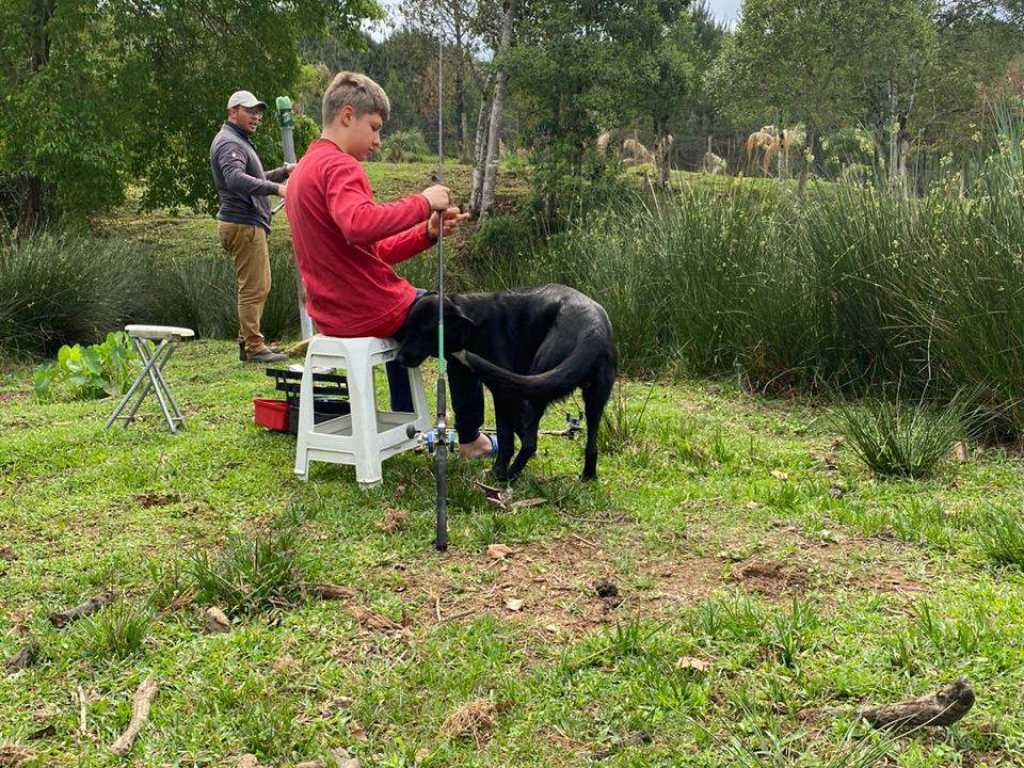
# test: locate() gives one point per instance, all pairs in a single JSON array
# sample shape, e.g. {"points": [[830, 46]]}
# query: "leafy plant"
{"points": [[98, 370]]}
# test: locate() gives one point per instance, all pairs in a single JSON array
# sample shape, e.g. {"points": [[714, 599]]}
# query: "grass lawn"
{"points": [[762, 576]]}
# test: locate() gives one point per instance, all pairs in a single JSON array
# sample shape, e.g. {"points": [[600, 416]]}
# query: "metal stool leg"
{"points": [[143, 349], [152, 372], [157, 381], [133, 389]]}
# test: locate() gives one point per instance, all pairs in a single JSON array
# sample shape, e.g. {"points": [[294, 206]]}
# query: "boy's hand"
{"points": [[281, 190], [438, 196], [453, 218]]}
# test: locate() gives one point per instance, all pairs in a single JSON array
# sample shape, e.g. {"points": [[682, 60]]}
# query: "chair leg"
{"points": [[364, 420], [419, 399], [159, 371], [159, 384], [306, 420]]}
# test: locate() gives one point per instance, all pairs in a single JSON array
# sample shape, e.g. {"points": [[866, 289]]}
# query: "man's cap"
{"points": [[245, 99]]}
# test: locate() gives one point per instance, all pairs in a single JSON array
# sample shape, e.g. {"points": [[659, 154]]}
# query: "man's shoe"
{"points": [[265, 355]]}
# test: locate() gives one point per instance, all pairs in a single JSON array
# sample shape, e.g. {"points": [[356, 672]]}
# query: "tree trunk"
{"points": [[460, 84], [806, 167], [497, 111], [662, 151], [480, 151], [32, 206]]}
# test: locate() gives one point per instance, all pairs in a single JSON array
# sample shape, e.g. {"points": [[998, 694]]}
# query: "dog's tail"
{"points": [[556, 383]]}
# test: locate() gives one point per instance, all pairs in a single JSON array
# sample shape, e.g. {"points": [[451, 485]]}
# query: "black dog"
{"points": [[531, 348]]}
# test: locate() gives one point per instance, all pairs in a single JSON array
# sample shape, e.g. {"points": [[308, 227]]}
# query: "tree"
{"points": [[452, 22], [62, 146], [788, 61], [490, 159], [659, 39], [97, 93]]}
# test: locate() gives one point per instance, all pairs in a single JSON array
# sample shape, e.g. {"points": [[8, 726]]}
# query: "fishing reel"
{"points": [[574, 425], [429, 439]]}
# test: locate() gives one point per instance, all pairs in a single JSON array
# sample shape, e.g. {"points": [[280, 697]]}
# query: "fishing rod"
{"points": [[441, 432]]}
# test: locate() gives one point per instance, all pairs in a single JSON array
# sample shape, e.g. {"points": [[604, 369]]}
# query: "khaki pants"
{"points": [[248, 247]]}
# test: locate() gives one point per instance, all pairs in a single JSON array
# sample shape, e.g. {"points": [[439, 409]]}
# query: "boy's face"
{"points": [[363, 132]]}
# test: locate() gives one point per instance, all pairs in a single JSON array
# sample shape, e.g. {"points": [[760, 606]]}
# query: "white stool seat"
{"points": [[158, 332], [153, 373], [365, 436]]}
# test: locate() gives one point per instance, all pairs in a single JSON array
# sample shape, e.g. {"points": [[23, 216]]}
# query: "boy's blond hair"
{"points": [[358, 91]]}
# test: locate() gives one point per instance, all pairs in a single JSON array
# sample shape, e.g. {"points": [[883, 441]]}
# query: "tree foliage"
{"points": [[95, 93]]}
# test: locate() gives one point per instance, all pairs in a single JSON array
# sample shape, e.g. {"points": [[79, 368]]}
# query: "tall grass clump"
{"points": [[850, 288], [58, 289], [117, 631], [200, 292], [251, 574], [405, 146], [1001, 536], [897, 436]]}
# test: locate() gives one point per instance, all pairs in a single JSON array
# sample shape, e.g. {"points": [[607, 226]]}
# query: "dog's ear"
{"points": [[454, 313], [459, 326]]}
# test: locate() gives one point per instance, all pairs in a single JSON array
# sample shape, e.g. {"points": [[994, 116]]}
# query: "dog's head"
{"points": [[418, 335]]}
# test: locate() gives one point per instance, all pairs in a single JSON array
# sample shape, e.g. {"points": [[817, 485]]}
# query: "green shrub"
{"points": [[98, 370], [405, 146], [200, 292], [895, 437], [61, 289]]}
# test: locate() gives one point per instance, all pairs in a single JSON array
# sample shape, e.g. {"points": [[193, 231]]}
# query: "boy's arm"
{"points": [[405, 245], [361, 220]]}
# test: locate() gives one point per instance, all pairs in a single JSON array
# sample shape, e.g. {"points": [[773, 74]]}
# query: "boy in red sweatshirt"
{"points": [[345, 243]]}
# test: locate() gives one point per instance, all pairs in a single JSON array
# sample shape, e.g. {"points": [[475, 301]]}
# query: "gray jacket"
{"points": [[241, 183]]}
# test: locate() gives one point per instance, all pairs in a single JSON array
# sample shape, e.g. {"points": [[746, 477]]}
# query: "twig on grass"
{"points": [[140, 714]]}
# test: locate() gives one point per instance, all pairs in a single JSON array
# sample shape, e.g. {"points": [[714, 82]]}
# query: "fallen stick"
{"points": [[938, 709], [297, 349], [942, 708], [22, 659], [89, 607], [82, 728], [140, 714]]}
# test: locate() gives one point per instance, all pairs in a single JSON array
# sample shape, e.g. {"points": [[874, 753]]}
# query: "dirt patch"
{"points": [[558, 590], [474, 720], [151, 499], [770, 577], [12, 395]]}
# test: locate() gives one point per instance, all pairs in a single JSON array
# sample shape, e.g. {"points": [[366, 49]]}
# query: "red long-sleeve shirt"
{"points": [[345, 244]]}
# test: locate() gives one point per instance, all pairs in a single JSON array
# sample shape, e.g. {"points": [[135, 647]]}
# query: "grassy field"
{"points": [[767, 584], [762, 575]]}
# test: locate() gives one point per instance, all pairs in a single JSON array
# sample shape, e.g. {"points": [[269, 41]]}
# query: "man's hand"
{"points": [[281, 189], [289, 167], [452, 220], [439, 196]]}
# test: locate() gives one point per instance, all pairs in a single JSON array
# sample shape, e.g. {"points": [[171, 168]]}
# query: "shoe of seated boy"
{"points": [[265, 355]]}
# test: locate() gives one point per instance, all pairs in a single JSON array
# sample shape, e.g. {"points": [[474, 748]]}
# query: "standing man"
{"points": [[244, 217]]}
